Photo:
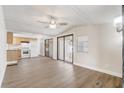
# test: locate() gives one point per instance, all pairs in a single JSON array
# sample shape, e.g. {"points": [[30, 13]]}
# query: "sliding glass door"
{"points": [[60, 48], [68, 48], [65, 48]]}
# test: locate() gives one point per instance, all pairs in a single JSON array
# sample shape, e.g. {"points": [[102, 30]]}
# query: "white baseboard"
{"points": [[101, 70], [3, 73]]}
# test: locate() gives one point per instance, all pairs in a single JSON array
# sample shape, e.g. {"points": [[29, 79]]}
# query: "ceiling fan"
{"points": [[53, 24]]}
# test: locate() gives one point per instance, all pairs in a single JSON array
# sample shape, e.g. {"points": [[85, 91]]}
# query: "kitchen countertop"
{"points": [[13, 49]]}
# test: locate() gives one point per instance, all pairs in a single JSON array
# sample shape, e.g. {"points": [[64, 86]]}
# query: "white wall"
{"points": [[110, 49], [34, 48], [38, 46], [2, 46], [43, 47], [104, 48], [54, 48]]}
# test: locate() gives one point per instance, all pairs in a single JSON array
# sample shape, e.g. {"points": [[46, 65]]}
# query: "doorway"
{"points": [[49, 48], [65, 48]]}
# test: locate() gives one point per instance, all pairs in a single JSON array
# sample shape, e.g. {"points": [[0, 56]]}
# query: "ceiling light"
{"points": [[52, 22], [118, 23], [52, 26]]}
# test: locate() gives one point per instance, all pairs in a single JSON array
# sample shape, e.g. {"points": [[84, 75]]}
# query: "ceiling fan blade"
{"points": [[63, 24], [43, 22], [52, 17]]}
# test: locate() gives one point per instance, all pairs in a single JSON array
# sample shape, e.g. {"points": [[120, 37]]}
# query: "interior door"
{"points": [[61, 48], [68, 48], [51, 48], [47, 48]]}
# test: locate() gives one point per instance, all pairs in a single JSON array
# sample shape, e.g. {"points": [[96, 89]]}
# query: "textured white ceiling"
{"points": [[23, 18]]}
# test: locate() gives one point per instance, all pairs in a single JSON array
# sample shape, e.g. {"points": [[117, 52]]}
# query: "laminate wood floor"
{"points": [[43, 72]]}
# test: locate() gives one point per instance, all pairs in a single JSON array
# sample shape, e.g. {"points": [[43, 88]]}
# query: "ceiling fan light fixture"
{"points": [[52, 26], [52, 22]]}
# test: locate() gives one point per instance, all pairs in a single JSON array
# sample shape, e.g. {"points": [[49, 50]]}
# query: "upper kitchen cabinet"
{"points": [[9, 37]]}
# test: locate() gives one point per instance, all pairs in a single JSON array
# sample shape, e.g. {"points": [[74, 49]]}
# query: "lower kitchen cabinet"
{"points": [[13, 56]]}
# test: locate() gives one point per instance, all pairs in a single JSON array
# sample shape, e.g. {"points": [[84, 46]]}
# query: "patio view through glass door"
{"points": [[65, 48], [68, 48], [60, 48]]}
